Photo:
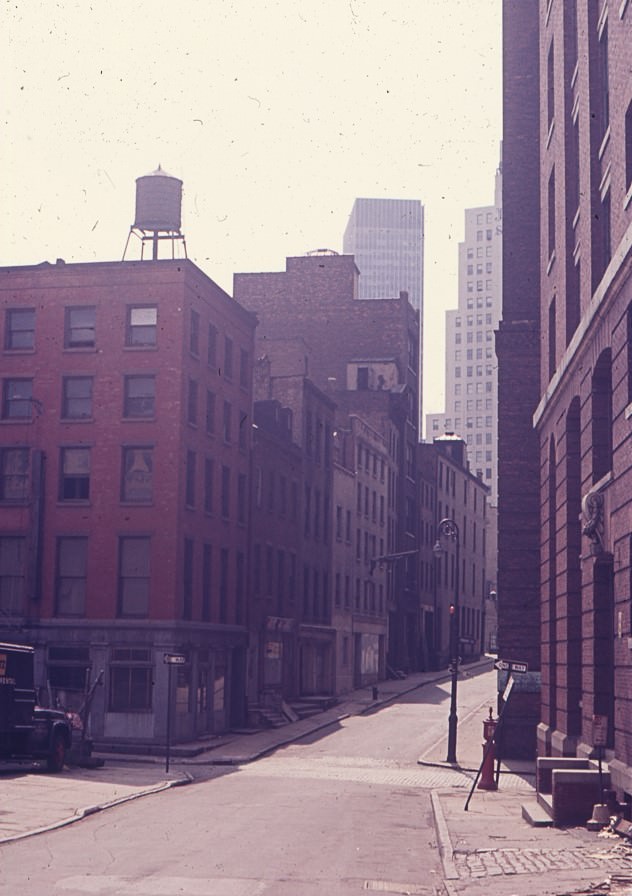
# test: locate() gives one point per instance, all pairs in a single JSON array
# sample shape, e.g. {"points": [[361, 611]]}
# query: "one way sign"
{"points": [[510, 666]]}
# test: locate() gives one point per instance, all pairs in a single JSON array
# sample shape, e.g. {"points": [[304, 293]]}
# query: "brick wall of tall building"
{"points": [[518, 351]]}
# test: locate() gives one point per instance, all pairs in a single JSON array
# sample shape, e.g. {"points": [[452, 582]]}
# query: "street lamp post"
{"points": [[447, 528]]}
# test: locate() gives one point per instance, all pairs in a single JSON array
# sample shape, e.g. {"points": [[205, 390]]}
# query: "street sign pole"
{"points": [[170, 659], [167, 756]]}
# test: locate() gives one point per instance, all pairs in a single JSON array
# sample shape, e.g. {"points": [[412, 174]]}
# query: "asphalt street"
{"points": [[359, 799]]}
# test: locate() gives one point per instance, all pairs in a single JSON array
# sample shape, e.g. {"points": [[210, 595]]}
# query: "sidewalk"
{"points": [[490, 850]]}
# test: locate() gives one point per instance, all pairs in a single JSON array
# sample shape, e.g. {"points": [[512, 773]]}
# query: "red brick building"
{"points": [[586, 379], [365, 354], [125, 434], [584, 152]]}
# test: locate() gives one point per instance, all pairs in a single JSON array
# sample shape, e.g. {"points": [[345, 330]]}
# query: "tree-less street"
{"points": [[344, 811]]}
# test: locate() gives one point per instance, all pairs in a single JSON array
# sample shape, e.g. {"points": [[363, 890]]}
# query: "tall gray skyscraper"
{"points": [[470, 361], [386, 236]]}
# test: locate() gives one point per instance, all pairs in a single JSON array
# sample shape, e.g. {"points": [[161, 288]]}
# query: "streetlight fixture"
{"points": [[447, 528]]}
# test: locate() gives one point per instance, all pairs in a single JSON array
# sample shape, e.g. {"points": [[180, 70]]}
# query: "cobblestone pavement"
{"points": [[494, 862], [369, 771]]}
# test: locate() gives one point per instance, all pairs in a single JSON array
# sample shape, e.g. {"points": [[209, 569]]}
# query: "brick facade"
{"points": [[584, 153], [518, 352], [125, 445], [365, 353]]}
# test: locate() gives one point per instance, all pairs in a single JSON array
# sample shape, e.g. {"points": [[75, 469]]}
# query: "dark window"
{"points": [[190, 479], [211, 357], [280, 580], [142, 325], [291, 582], [76, 397], [187, 580], [363, 378], [601, 410], [227, 422], [223, 585], [243, 368], [269, 571], [210, 412], [80, 327], [208, 485], [17, 399], [20, 328], [228, 358], [241, 498], [70, 585], [131, 678], [74, 479], [243, 430], [256, 568], [138, 470], [192, 403], [207, 581], [194, 335], [225, 492], [14, 474], [134, 552], [68, 667], [240, 580], [12, 575], [140, 396]]}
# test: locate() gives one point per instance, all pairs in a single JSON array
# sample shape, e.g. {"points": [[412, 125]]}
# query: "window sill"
{"points": [[19, 351], [140, 348], [76, 420], [80, 349]]}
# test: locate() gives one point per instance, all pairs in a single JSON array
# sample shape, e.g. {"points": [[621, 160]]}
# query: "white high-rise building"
{"points": [[471, 367], [386, 236]]}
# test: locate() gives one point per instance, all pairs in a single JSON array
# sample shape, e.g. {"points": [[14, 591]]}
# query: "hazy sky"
{"points": [[275, 114]]}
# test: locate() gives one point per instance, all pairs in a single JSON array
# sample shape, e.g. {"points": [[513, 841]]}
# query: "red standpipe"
{"points": [[488, 779]]}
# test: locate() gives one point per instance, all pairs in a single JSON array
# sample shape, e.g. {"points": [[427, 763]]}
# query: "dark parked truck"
{"points": [[28, 731]]}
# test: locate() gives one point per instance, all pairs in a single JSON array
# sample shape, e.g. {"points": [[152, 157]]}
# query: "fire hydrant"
{"points": [[488, 781]]}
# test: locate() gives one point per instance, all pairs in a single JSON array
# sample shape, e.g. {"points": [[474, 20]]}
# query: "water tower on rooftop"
{"points": [[158, 217]]}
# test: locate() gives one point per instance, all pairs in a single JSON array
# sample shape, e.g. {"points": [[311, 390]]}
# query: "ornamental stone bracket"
{"points": [[593, 528]]}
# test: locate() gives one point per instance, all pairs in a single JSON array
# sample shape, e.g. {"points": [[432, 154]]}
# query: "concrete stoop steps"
{"points": [[566, 790]]}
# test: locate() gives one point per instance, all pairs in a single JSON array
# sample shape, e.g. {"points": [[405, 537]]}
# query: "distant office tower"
{"points": [[471, 367], [386, 236]]}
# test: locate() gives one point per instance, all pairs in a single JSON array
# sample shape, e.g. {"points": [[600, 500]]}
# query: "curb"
{"points": [[446, 850], [80, 814]]}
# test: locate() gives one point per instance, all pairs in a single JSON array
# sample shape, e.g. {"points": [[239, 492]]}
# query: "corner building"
{"points": [[124, 456]]}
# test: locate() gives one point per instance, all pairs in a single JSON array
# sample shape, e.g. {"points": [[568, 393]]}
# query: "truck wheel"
{"points": [[57, 755]]}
